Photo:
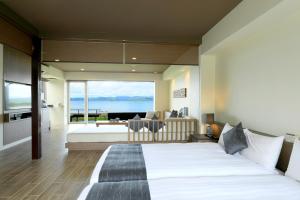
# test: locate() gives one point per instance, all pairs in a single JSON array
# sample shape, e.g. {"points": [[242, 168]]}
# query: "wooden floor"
{"points": [[58, 175]]}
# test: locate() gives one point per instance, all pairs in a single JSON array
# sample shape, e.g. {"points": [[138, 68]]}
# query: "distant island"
{"points": [[117, 98], [113, 104]]}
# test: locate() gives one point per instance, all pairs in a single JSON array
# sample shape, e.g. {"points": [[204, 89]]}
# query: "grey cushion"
{"points": [[137, 125], [154, 125], [173, 114], [235, 140]]}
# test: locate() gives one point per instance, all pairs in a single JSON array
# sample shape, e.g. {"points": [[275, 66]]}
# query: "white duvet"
{"points": [[191, 160], [266, 187]]}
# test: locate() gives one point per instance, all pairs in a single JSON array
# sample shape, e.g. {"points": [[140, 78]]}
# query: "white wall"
{"points": [[184, 77], [257, 72], [207, 74], [52, 72], [242, 15], [55, 96], [1, 96], [161, 86]]}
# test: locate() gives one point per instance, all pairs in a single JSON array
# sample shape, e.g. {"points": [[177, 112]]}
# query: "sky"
{"points": [[18, 91], [112, 88]]}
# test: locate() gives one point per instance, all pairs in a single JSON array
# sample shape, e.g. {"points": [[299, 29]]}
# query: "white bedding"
{"points": [[104, 133], [112, 133], [190, 160], [268, 187]]}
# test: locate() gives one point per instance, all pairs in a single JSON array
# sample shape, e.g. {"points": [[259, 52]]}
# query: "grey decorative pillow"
{"points": [[136, 125], [173, 114], [235, 140], [154, 125]]}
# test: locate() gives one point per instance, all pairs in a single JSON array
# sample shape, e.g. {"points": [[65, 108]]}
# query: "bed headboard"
{"points": [[285, 154]]}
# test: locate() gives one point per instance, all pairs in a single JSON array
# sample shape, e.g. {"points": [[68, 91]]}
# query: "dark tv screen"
{"points": [[17, 96]]}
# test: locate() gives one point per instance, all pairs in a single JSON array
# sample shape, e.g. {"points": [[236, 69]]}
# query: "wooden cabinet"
{"points": [[16, 130], [17, 66]]}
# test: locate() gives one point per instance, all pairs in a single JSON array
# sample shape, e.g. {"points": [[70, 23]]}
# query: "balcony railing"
{"points": [[77, 115], [157, 131]]}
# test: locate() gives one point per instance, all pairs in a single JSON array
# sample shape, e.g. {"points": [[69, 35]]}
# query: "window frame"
{"points": [[85, 121], [86, 100]]}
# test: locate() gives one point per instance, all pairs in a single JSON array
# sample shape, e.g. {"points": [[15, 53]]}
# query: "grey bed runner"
{"points": [[126, 190], [124, 162]]}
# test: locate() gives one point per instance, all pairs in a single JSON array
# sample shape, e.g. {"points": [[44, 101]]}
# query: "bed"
{"points": [[105, 133], [90, 137], [266, 187], [190, 160], [193, 171], [220, 177]]}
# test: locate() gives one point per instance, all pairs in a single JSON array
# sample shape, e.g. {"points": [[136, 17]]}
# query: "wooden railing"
{"points": [[157, 131]]}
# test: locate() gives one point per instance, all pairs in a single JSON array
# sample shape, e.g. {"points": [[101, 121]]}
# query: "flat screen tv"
{"points": [[17, 96]]}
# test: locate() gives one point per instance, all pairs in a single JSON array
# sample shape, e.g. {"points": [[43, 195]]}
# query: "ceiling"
{"points": [[170, 21], [112, 68]]}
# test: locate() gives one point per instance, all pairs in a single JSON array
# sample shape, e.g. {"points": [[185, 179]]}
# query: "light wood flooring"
{"points": [[58, 175]]}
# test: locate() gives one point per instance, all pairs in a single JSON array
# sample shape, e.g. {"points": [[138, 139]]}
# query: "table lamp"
{"points": [[210, 120]]}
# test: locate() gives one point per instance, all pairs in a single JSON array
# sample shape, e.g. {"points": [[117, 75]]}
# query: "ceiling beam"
{"points": [[13, 18]]}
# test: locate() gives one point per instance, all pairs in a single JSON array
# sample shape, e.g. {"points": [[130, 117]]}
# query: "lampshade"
{"points": [[210, 118]]}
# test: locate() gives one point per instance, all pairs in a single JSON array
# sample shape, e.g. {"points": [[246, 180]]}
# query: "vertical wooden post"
{"points": [[36, 99]]}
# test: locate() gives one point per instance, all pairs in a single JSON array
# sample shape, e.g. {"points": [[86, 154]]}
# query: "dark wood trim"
{"points": [[36, 99], [136, 63]]}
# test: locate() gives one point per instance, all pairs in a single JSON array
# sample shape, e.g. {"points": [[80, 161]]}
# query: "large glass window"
{"points": [[105, 97], [77, 102]]}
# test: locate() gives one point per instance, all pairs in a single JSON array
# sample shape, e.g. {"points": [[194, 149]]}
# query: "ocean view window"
{"points": [[77, 101], [105, 97]]}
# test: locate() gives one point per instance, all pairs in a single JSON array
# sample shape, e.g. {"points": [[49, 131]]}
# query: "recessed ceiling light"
{"points": [[82, 69], [133, 70], [154, 72], [133, 58], [56, 60]]}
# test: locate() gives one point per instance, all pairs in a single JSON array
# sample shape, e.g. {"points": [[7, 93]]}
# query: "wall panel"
{"points": [[11, 36]]}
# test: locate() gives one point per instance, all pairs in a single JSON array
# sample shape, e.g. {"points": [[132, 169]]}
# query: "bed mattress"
{"points": [[190, 160], [104, 133], [265, 187], [108, 133]]}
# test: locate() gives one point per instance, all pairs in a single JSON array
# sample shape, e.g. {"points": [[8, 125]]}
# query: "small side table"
{"points": [[202, 138]]}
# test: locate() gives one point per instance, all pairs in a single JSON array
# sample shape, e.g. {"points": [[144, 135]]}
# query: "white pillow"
{"points": [[293, 170], [226, 128], [150, 114], [263, 150]]}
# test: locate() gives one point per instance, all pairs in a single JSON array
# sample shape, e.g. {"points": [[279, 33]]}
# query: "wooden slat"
{"points": [[143, 131], [185, 131], [162, 133], [139, 139], [182, 128], [167, 126], [148, 132], [128, 131], [176, 127], [172, 129], [153, 134]]}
